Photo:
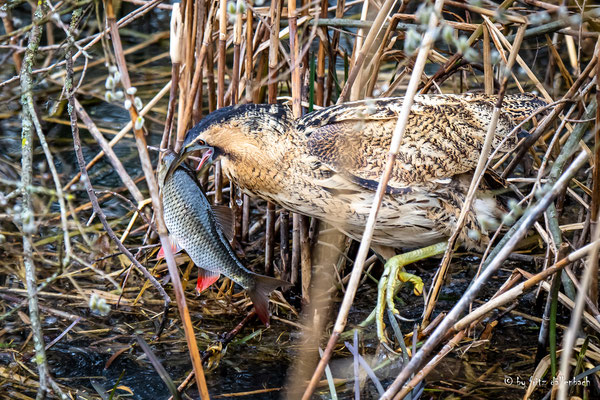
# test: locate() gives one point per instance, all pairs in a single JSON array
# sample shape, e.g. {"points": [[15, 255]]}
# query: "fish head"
{"points": [[171, 161], [167, 166]]}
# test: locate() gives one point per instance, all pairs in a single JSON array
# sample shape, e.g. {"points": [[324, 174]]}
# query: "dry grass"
{"points": [[130, 86]]}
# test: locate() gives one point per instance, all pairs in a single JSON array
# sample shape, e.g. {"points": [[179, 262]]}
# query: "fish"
{"points": [[203, 230]]}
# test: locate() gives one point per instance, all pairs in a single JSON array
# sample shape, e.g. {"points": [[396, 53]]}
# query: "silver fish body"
{"points": [[190, 220]]}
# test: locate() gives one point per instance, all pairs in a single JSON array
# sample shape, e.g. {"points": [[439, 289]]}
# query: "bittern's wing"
{"points": [[443, 137]]}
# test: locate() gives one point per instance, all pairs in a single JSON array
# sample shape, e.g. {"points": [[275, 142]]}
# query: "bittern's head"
{"points": [[241, 133]]}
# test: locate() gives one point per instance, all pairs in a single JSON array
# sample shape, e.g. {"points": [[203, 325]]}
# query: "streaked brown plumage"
{"points": [[327, 163]]}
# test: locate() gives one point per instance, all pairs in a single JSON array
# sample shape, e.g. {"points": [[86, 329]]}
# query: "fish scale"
{"points": [[189, 218], [191, 222]]}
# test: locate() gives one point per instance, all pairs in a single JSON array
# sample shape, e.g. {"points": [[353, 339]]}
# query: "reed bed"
{"points": [[95, 88]]}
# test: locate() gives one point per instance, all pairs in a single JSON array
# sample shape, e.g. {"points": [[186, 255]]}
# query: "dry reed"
{"points": [[307, 54]]}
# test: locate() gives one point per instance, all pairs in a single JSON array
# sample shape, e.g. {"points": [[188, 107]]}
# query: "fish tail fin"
{"points": [[259, 294]]}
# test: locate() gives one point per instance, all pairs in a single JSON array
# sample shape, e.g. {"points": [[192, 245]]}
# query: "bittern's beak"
{"points": [[193, 149], [206, 160]]}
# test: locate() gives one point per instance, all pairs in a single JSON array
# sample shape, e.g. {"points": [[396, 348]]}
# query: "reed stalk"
{"points": [[142, 147]]}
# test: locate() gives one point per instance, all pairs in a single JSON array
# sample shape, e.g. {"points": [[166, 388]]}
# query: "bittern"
{"points": [[327, 165]]}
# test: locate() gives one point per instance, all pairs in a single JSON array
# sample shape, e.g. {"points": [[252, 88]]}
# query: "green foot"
{"points": [[393, 274]]}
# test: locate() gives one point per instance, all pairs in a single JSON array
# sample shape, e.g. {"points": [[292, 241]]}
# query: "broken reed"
{"points": [[231, 54]]}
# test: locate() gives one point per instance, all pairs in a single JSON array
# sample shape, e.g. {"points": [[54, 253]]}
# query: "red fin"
{"points": [[259, 294], [175, 248], [205, 279]]}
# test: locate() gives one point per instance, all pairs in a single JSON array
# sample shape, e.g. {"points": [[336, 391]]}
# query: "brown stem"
{"points": [[142, 147]]}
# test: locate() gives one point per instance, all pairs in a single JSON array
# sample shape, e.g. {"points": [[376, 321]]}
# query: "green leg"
{"points": [[393, 274]]}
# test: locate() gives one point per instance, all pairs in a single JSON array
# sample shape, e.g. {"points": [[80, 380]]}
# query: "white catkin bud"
{"points": [[41, 166], [117, 77], [462, 44], [112, 69], [28, 222], [495, 57], [110, 83], [508, 220], [241, 7], [137, 102], [563, 12], [119, 95], [359, 126], [515, 207], [412, 41], [132, 91], [98, 305], [500, 15], [474, 235], [230, 7], [139, 123], [259, 3], [423, 14], [103, 307], [371, 107], [108, 96], [93, 301], [448, 34], [2, 238], [488, 223], [127, 104], [471, 55], [539, 18]]}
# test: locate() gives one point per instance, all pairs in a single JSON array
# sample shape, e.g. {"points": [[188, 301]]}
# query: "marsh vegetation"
{"points": [[90, 90]]}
